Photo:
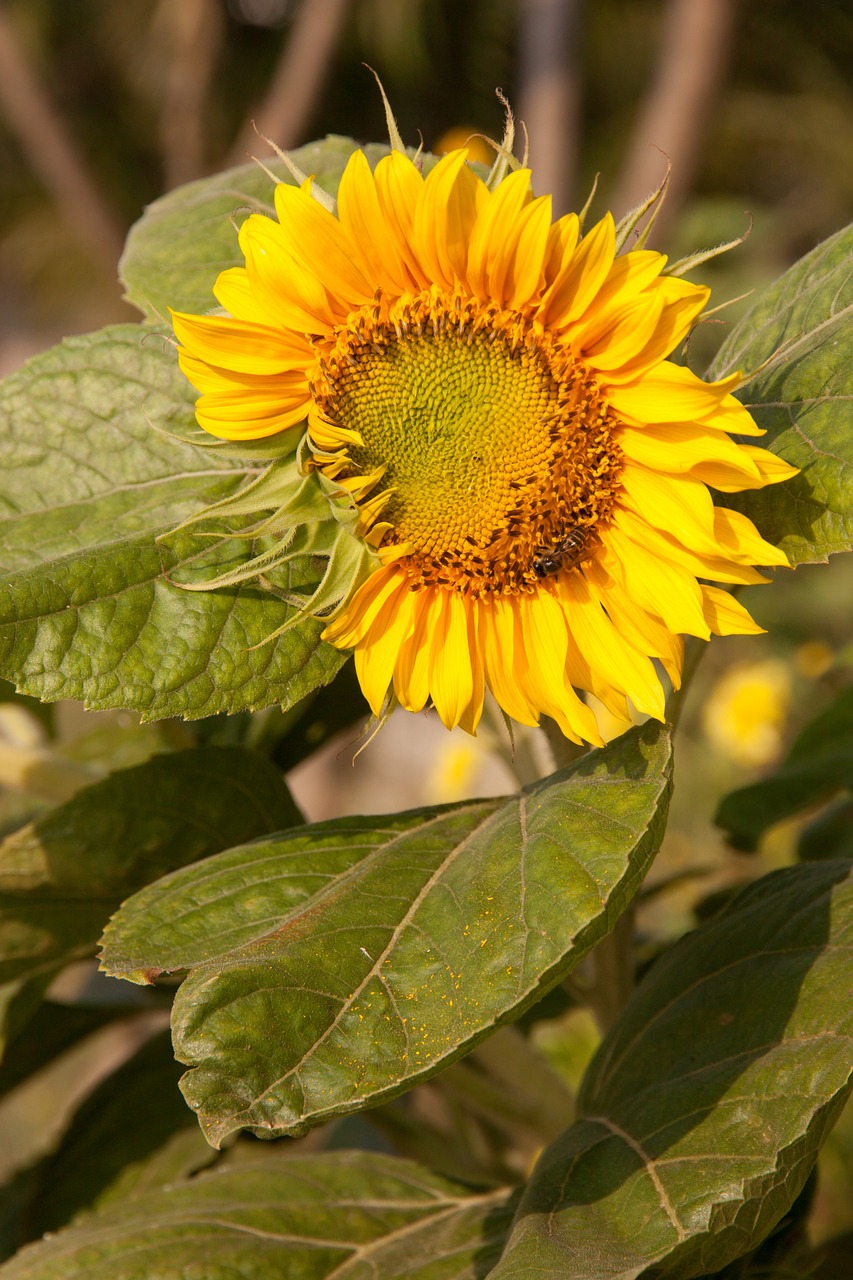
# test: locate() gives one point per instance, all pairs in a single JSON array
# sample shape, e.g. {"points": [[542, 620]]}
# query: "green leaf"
{"points": [[87, 606], [341, 963], [53, 1029], [20, 1000], [183, 240], [818, 764], [829, 835], [62, 876], [703, 1111], [801, 327], [309, 1217], [125, 1122]]}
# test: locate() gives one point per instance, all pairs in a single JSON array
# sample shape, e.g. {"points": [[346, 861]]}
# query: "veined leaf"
{"points": [[88, 609], [346, 1214], [800, 331], [342, 962], [63, 875], [819, 763], [703, 1111]]}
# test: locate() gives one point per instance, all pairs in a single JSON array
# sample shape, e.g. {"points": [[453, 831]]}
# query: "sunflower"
{"points": [[491, 392]]}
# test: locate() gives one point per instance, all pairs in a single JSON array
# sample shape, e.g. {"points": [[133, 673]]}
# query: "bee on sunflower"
{"points": [[486, 393]]}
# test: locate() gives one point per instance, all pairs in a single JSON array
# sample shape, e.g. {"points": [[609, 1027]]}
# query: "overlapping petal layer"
{"points": [[598, 559]]}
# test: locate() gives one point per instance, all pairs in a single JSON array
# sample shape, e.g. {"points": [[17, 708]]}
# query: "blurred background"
{"points": [[105, 106]]}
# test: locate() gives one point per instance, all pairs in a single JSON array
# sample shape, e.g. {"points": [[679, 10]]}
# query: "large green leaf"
{"points": [[52, 1030], [87, 606], [819, 763], [345, 1213], [63, 875], [800, 330], [705, 1106], [341, 963], [183, 240], [128, 1119]]}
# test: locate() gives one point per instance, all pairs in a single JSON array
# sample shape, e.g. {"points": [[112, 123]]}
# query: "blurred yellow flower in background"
{"points": [[745, 713]]}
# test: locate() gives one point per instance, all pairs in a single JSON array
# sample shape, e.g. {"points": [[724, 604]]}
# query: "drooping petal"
{"points": [[503, 657], [376, 656], [451, 679]]}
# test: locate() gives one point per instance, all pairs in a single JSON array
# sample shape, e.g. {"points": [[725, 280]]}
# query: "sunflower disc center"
{"points": [[496, 446]]}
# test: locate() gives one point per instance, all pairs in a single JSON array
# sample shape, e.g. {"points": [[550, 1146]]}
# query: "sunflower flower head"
{"points": [[487, 395]]}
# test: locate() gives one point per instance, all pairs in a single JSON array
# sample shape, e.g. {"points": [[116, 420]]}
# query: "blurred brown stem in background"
{"points": [[549, 93], [694, 56], [285, 112], [192, 33], [53, 154]]}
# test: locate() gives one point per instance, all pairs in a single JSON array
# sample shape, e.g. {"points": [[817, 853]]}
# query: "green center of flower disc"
{"points": [[494, 446]]}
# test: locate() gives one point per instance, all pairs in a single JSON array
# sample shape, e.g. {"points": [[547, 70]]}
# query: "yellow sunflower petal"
{"points": [[411, 670], [679, 504], [726, 616], [376, 659], [670, 393], [771, 467], [545, 681], [233, 291], [451, 679], [582, 277], [245, 414], [363, 217], [278, 282], [503, 657], [678, 447], [235, 344], [321, 245], [626, 283], [499, 217], [680, 305], [739, 538], [353, 624], [398, 187], [470, 717], [450, 201], [662, 543], [646, 631], [562, 242], [654, 583], [620, 665], [630, 333]]}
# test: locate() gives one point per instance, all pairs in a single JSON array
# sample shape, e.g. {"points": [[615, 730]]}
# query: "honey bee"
{"points": [[563, 555]]}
